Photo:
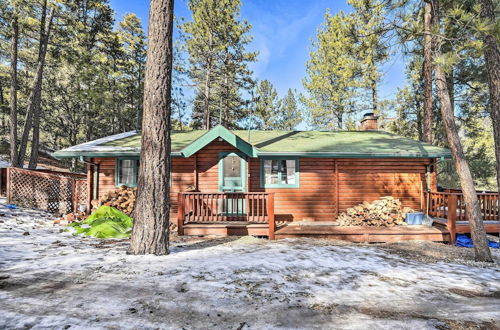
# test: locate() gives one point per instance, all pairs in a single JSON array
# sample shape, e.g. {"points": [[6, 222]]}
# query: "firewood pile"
{"points": [[122, 199], [384, 212]]}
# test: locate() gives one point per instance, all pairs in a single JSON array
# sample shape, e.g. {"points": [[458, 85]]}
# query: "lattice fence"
{"points": [[57, 192]]}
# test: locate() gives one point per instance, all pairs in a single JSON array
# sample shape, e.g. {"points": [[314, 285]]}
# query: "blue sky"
{"points": [[282, 31]]}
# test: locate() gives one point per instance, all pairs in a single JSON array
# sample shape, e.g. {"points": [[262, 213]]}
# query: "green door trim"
{"points": [[223, 155]]}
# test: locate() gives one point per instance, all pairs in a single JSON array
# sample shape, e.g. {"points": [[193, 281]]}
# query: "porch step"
{"points": [[237, 228], [365, 234]]}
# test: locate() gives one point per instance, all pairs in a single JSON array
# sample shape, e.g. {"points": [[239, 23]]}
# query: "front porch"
{"points": [[239, 214], [226, 214]]}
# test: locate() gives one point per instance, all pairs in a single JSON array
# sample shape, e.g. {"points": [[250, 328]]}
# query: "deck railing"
{"points": [[252, 207], [451, 206]]}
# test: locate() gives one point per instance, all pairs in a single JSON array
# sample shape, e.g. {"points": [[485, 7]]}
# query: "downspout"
{"points": [[96, 176]]}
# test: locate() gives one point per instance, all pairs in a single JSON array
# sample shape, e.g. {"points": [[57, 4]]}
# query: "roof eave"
{"points": [[91, 154], [352, 155]]}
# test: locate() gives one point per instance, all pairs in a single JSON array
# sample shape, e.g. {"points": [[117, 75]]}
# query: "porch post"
{"points": [[90, 186], [270, 215], [180, 214], [195, 171], [452, 217], [8, 186]]}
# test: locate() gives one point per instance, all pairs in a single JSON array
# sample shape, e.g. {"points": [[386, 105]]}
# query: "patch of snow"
{"points": [[52, 279], [96, 145]]}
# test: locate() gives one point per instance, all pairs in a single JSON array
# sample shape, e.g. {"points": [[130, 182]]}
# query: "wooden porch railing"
{"points": [[252, 207], [451, 206]]}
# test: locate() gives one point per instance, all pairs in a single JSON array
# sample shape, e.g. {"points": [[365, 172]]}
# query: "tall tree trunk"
{"points": [[492, 56], [33, 112], [152, 210], [473, 209], [44, 34], [427, 68], [13, 91], [374, 97], [206, 104], [4, 110]]}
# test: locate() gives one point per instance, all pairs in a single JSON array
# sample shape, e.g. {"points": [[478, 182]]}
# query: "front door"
{"points": [[232, 179]]}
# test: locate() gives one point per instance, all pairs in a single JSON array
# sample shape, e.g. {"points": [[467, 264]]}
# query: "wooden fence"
{"points": [[250, 207], [56, 192]]}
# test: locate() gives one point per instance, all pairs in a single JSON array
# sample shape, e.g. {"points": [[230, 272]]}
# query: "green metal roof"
{"points": [[349, 144]]}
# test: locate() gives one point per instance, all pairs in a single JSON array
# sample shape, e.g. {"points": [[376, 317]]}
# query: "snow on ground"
{"points": [[51, 279]]}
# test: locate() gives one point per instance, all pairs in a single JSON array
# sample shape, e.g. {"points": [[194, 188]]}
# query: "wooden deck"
{"points": [[448, 208], [236, 228], [328, 230]]}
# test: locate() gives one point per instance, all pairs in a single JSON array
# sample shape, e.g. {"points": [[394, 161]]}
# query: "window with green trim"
{"points": [[279, 172], [127, 171]]}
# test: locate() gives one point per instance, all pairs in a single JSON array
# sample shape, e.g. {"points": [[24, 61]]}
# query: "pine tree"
{"points": [[289, 115], [492, 57], [215, 40], [427, 70], [332, 74], [367, 29], [131, 70], [472, 207], [150, 234], [267, 105]]}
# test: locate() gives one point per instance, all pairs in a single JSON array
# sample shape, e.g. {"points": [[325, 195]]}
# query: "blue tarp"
{"points": [[466, 241]]}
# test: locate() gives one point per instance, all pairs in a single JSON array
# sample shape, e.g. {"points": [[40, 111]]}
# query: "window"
{"points": [[231, 172], [279, 173], [127, 171]]}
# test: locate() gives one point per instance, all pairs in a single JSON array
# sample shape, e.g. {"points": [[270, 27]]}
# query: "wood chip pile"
{"points": [[384, 212], [122, 199]]}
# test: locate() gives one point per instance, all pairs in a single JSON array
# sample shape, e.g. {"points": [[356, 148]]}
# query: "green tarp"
{"points": [[105, 222]]}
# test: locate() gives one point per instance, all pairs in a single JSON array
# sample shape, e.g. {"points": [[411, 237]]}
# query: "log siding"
{"points": [[327, 186]]}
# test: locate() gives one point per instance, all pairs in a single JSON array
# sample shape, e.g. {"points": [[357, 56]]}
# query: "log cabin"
{"points": [[238, 182]]}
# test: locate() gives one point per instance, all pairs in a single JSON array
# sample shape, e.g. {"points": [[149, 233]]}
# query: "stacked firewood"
{"points": [[122, 199], [384, 212]]}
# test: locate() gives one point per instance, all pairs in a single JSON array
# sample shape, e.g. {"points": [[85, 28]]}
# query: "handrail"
{"points": [[223, 207], [451, 206]]}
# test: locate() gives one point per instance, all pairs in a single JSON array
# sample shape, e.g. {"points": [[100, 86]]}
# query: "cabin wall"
{"points": [[327, 186], [356, 180], [107, 170], [369, 179], [314, 199]]}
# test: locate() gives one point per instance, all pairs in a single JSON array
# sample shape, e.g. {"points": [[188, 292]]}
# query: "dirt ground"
{"points": [[50, 279]]}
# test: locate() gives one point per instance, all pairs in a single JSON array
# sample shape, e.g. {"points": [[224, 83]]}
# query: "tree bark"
{"points": [[492, 57], [152, 210], [374, 97], [427, 68], [206, 105], [36, 92], [45, 26], [13, 91], [473, 209]]}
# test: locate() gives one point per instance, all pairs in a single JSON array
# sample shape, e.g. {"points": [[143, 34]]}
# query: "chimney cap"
{"points": [[369, 116]]}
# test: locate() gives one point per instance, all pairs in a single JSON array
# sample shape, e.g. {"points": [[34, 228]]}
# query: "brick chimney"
{"points": [[369, 122]]}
